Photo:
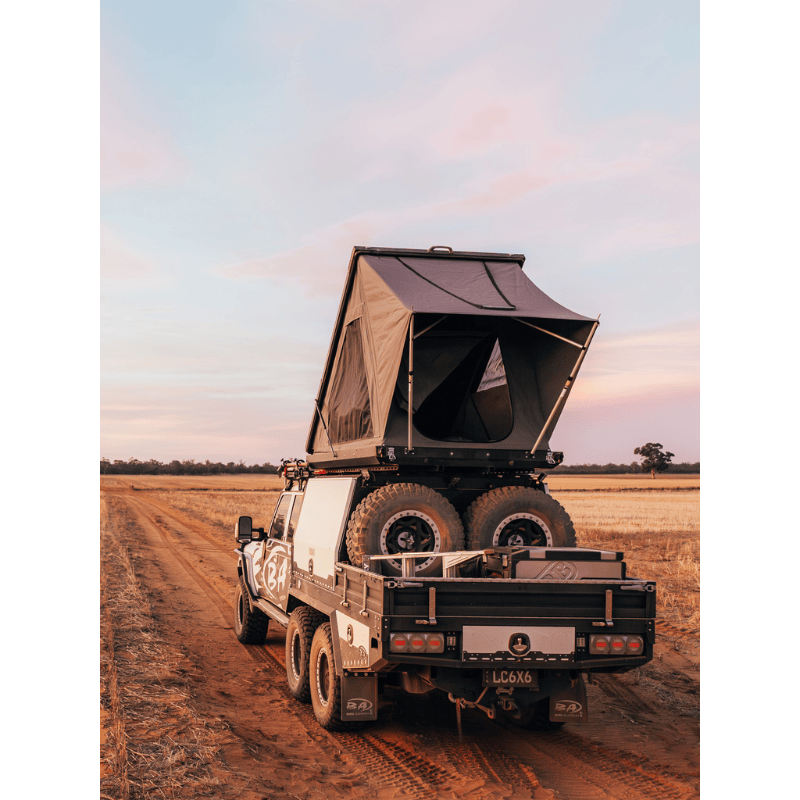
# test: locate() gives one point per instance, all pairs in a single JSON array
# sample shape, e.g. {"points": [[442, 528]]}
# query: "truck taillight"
{"points": [[619, 645], [398, 643], [416, 643], [635, 645]]}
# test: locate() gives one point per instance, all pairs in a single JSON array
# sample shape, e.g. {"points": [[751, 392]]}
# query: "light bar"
{"points": [[616, 645], [416, 643]]}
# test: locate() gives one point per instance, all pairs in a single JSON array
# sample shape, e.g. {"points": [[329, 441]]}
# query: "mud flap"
{"points": [[359, 697], [570, 704]]}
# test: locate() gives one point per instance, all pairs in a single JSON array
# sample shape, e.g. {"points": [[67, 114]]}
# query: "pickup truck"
{"points": [[508, 629]]}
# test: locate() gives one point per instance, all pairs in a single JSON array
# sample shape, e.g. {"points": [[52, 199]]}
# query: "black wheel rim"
{"points": [[240, 611], [294, 655], [323, 687], [523, 530], [409, 535]]}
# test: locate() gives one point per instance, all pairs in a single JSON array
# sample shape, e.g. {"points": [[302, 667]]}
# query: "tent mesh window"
{"points": [[469, 401], [351, 417]]}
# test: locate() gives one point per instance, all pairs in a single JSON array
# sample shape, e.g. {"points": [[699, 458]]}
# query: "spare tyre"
{"points": [[404, 518], [517, 515]]}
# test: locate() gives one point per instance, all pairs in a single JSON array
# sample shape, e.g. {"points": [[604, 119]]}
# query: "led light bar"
{"points": [[416, 643], [616, 645]]}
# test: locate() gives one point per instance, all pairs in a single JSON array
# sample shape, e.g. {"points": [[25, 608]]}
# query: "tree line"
{"points": [[191, 467], [621, 469]]}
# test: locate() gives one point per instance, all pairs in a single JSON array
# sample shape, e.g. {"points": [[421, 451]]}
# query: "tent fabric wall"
{"points": [[461, 302]]}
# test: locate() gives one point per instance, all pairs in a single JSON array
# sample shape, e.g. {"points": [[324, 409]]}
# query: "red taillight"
{"points": [[618, 645], [416, 643], [635, 645], [398, 643], [435, 643]]}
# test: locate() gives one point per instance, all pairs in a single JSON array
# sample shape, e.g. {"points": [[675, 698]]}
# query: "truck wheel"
{"points": [[250, 624], [537, 718], [326, 686], [404, 518], [299, 633], [517, 515]]}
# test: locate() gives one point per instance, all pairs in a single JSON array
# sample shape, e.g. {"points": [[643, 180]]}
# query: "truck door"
{"points": [[273, 576]]}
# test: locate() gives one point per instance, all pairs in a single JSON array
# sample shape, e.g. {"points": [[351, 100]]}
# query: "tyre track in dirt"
{"points": [[379, 754], [417, 777], [487, 764]]}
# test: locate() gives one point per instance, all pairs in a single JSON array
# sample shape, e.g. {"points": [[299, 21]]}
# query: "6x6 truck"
{"points": [[417, 545]]}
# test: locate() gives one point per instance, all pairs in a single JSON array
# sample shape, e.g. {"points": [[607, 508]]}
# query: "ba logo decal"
{"points": [[390, 453], [519, 644], [568, 707], [359, 704], [550, 458], [559, 571]]}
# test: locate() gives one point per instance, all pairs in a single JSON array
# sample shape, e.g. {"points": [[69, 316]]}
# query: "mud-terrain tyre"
{"points": [[250, 624], [326, 685], [537, 718], [517, 515], [404, 517], [303, 621]]}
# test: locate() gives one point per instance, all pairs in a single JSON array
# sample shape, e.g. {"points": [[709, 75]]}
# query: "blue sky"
{"points": [[247, 146]]}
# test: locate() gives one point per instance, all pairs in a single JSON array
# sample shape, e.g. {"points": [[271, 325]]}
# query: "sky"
{"points": [[247, 146]]}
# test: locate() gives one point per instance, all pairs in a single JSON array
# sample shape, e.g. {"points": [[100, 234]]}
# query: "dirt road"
{"points": [[188, 711]]}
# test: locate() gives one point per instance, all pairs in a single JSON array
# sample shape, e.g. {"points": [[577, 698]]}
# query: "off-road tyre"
{"points": [[517, 515], [537, 718], [400, 513], [325, 684], [250, 624], [303, 621]]}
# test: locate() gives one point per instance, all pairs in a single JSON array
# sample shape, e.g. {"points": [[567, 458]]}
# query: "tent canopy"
{"points": [[481, 354]]}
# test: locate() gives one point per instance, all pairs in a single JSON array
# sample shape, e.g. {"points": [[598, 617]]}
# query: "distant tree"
{"points": [[654, 458]]}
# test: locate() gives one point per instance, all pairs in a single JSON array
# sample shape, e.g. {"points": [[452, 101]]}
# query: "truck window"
{"points": [[298, 504], [279, 521]]}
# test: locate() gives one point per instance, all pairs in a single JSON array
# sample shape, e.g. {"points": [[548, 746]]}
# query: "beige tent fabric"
{"points": [[464, 301]]}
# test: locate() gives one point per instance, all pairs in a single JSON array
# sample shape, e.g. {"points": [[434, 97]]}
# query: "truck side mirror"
{"points": [[244, 530]]}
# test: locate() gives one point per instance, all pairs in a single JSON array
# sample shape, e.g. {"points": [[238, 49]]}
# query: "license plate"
{"points": [[501, 676]]}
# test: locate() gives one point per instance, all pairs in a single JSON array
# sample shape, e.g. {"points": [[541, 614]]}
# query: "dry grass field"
{"points": [[187, 712], [659, 532], [656, 523]]}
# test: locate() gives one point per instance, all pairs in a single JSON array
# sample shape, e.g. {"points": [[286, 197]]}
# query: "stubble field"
{"points": [[186, 711]]}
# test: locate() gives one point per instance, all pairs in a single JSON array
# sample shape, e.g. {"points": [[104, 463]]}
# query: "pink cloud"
{"points": [[135, 148], [123, 266], [640, 364]]}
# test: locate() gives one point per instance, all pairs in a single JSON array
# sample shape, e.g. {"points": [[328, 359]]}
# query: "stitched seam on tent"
{"points": [[468, 302]]}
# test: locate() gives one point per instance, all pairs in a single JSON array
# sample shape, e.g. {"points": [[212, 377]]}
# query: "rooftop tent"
{"points": [[480, 354]]}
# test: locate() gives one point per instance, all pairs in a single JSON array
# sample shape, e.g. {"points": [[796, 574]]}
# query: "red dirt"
{"points": [[218, 719]]}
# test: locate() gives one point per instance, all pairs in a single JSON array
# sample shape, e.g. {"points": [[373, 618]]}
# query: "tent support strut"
{"points": [[562, 398], [410, 380], [324, 426], [550, 333]]}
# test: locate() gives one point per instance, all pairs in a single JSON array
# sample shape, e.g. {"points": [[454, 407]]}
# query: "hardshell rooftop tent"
{"points": [[442, 357]]}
